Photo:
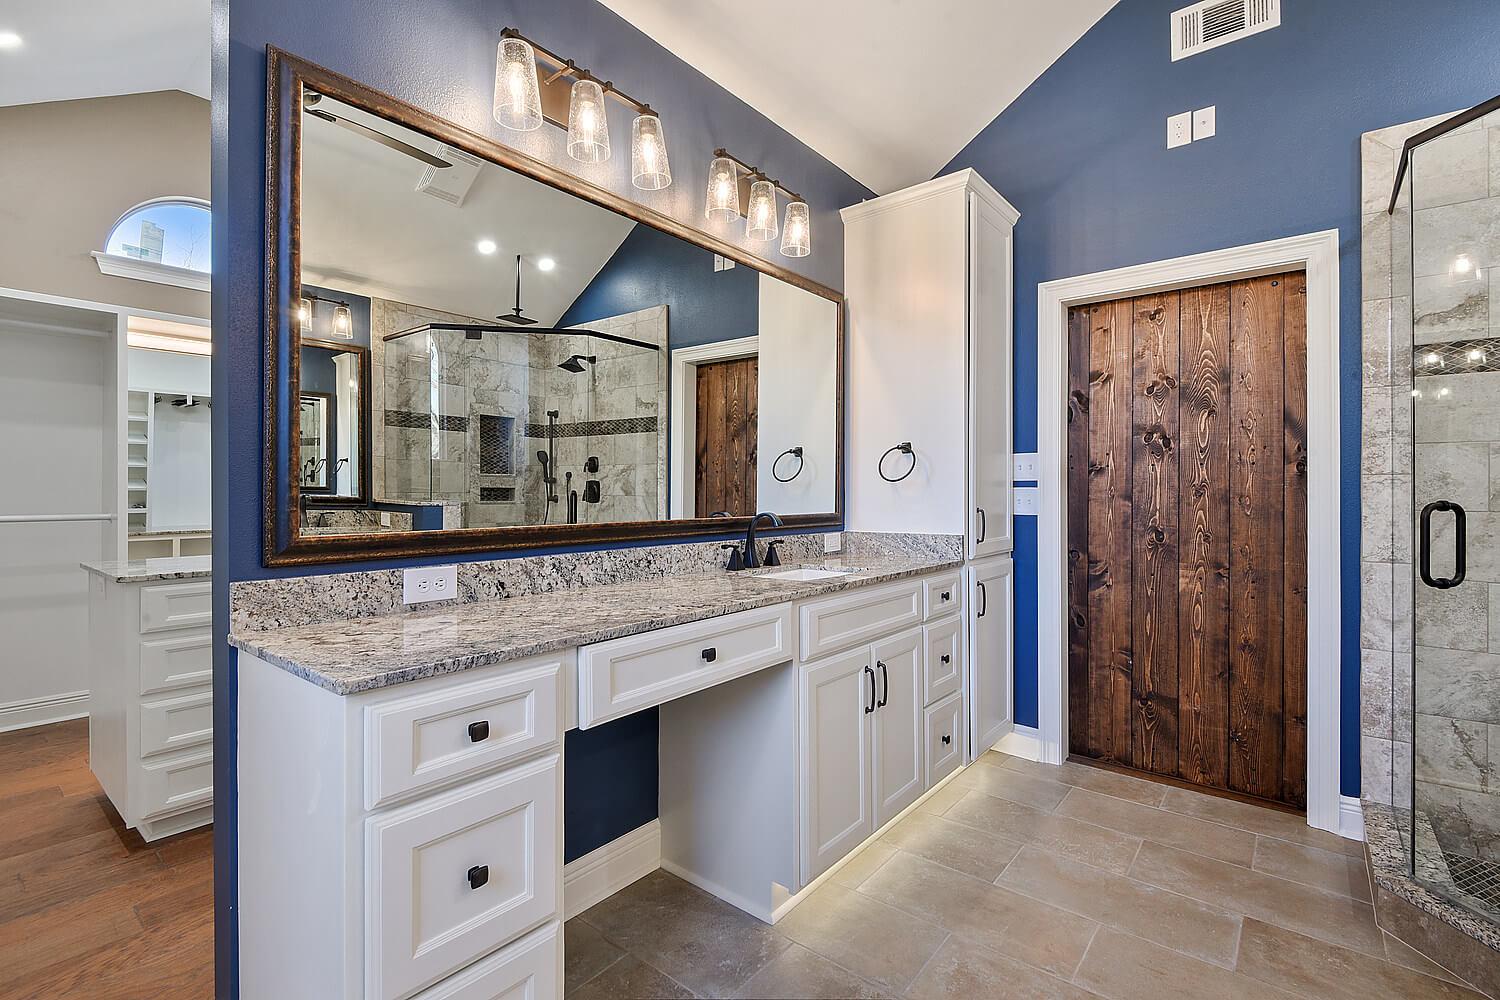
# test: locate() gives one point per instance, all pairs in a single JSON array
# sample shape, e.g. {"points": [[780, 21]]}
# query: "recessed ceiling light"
{"points": [[546, 264], [9, 40], [486, 247]]}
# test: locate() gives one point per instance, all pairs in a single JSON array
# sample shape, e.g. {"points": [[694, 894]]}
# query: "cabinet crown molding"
{"points": [[968, 178]]}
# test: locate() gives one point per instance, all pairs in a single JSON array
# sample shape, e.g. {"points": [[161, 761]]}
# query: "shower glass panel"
{"points": [[1446, 766]]}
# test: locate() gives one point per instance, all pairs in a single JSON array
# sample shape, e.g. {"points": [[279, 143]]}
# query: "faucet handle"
{"points": [[736, 558], [772, 557]]}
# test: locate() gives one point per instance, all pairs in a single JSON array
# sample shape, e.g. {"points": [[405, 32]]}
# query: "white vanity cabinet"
{"points": [[991, 654]]}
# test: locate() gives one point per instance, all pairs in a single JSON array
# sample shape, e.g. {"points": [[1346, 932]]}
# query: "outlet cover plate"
{"points": [[1204, 122], [421, 584], [1028, 498], [1179, 130], [833, 541], [1028, 467]]}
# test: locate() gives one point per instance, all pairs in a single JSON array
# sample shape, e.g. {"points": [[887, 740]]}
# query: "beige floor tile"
{"points": [[1212, 840], [1404, 955], [585, 954], [1326, 870], [1256, 819], [860, 933], [1299, 964], [1147, 911], [939, 801], [1095, 779], [1122, 967], [1063, 835], [966, 848], [862, 864], [1004, 921], [630, 979], [803, 975], [1005, 783], [962, 970], [1323, 915]]}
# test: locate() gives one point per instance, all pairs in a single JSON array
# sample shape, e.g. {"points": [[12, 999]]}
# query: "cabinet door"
{"points": [[991, 594], [837, 702], [990, 462], [899, 772]]}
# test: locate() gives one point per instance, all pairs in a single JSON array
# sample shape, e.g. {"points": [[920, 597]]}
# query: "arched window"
{"points": [[167, 240]]}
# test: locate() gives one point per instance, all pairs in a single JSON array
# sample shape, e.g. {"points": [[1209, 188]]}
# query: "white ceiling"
{"points": [[367, 230], [889, 90], [73, 49]]}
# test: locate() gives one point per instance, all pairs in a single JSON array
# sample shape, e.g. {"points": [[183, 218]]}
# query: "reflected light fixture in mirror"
{"points": [[723, 203], [518, 97], [486, 246], [649, 169], [588, 126], [305, 315], [796, 233], [343, 321], [760, 214]]}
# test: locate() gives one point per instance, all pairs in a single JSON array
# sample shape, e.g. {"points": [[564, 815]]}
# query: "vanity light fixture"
{"points": [[649, 169], [727, 173], [796, 232], [305, 315], [723, 204], [588, 125], [760, 214], [343, 321], [518, 96]]}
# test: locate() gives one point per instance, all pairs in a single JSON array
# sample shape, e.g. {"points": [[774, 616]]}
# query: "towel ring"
{"points": [[905, 448], [795, 453]]}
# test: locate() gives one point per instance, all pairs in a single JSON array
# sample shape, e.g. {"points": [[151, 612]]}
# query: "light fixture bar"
{"points": [[566, 67], [755, 173]]}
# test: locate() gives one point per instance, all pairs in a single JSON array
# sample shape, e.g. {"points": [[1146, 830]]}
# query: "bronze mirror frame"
{"points": [[283, 545]]}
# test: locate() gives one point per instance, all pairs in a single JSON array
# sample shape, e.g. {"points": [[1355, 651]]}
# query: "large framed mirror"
{"points": [[469, 349]]}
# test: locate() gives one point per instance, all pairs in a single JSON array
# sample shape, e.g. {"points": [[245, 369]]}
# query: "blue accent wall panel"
{"points": [[1082, 154], [618, 761]]}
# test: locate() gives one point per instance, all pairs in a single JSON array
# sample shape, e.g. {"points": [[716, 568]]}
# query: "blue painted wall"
{"points": [[438, 55], [651, 268], [1082, 155]]}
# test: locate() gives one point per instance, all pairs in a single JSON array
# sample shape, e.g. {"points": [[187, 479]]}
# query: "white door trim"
{"points": [[684, 426], [1318, 254]]}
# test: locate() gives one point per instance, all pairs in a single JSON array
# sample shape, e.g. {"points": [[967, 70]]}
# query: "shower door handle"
{"points": [[1460, 545]]}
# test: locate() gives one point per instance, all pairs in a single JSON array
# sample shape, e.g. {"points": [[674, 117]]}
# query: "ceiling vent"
{"points": [[1208, 25], [451, 184]]}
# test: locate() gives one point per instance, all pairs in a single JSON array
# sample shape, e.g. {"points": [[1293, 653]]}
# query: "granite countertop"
{"points": [[146, 570], [186, 530], [351, 656]]}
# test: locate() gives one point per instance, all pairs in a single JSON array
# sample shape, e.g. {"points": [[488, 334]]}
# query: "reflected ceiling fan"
{"points": [[310, 101]]}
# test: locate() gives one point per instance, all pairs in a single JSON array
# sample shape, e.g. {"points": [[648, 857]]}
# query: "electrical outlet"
{"points": [[833, 541], [1028, 467], [429, 583], [1027, 500], [385, 519], [1203, 122], [1179, 130]]}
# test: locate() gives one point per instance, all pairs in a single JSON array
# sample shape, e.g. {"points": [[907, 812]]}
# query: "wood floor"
{"points": [[87, 908]]}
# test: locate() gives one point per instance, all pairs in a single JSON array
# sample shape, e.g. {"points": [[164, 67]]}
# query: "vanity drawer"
{"points": [[624, 675], [419, 741], [451, 878], [176, 605], [178, 722], [174, 785], [177, 661], [943, 594], [942, 672], [944, 723], [529, 969], [859, 616]]}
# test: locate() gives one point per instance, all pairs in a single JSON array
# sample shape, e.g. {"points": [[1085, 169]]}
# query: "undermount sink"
{"points": [[806, 574]]}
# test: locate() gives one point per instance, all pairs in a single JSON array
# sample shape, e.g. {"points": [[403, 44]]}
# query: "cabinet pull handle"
{"points": [[479, 731], [885, 677], [947, 595], [871, 706], [947, 739], [710, 654], [478, 876], [984, 600], [947, 658], [983, 525]]}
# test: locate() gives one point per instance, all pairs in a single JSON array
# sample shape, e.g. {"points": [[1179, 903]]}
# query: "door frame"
{"points": [[1318, 255], [684, 362]]}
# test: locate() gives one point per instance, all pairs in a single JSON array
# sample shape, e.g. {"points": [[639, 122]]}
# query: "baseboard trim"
{"points": [[1022, 741], [713, 889], [603, 872], [44, 711], [1351, 818]]}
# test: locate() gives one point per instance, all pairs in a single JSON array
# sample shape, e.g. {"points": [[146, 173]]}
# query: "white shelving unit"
{"points": [[139, 414]]}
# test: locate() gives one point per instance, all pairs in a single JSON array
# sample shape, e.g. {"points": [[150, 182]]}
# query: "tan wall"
{"points": [[71, 168]]}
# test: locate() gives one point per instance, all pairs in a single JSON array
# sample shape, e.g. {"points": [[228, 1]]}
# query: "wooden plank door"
{"points": [[1187, 535], [725, 448]]}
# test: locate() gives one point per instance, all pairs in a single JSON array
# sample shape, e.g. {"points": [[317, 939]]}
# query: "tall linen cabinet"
{"points": [[928, 282]]}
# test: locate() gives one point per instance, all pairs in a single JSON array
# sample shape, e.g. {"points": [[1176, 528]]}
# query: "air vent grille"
{"points": [[450, 184], [1208, 25]]}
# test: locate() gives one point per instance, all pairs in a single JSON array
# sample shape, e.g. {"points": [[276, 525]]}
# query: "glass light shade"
{"points": [[343, 321], [588, 128], [796, 233], [760, 222], [723, 202], [518, 97], [305, 315], [649, 169]]}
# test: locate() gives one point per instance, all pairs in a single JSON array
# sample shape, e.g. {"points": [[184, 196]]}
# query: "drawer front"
{"points": [[175, 785], [945, 738], [451, 878], [185, 720], [530, 969], [456, 731], [176, 605], [943, 593], [177, 661], [942, 674], [625, 675], [858, 617]]}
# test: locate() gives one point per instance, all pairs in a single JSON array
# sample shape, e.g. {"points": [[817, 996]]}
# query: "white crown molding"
{"points": [[150, 270], [936, 188]]}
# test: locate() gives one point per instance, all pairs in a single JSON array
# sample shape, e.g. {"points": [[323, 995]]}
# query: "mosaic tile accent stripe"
{"points": [[496, 452], [1457, 357], [596, 428], [423, 421]]}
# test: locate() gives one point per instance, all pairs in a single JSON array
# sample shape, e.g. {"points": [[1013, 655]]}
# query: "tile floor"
{"points": [[1025, 880]]}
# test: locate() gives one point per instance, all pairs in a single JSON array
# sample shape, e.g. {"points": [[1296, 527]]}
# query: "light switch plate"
{"points": [[1203, 122], [421, 584], [1027, 499], [1179, 130], [833, 541], [1028, 467]]}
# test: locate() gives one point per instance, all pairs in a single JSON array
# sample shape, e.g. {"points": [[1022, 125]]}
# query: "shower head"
{"points": [[575, 363]]}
